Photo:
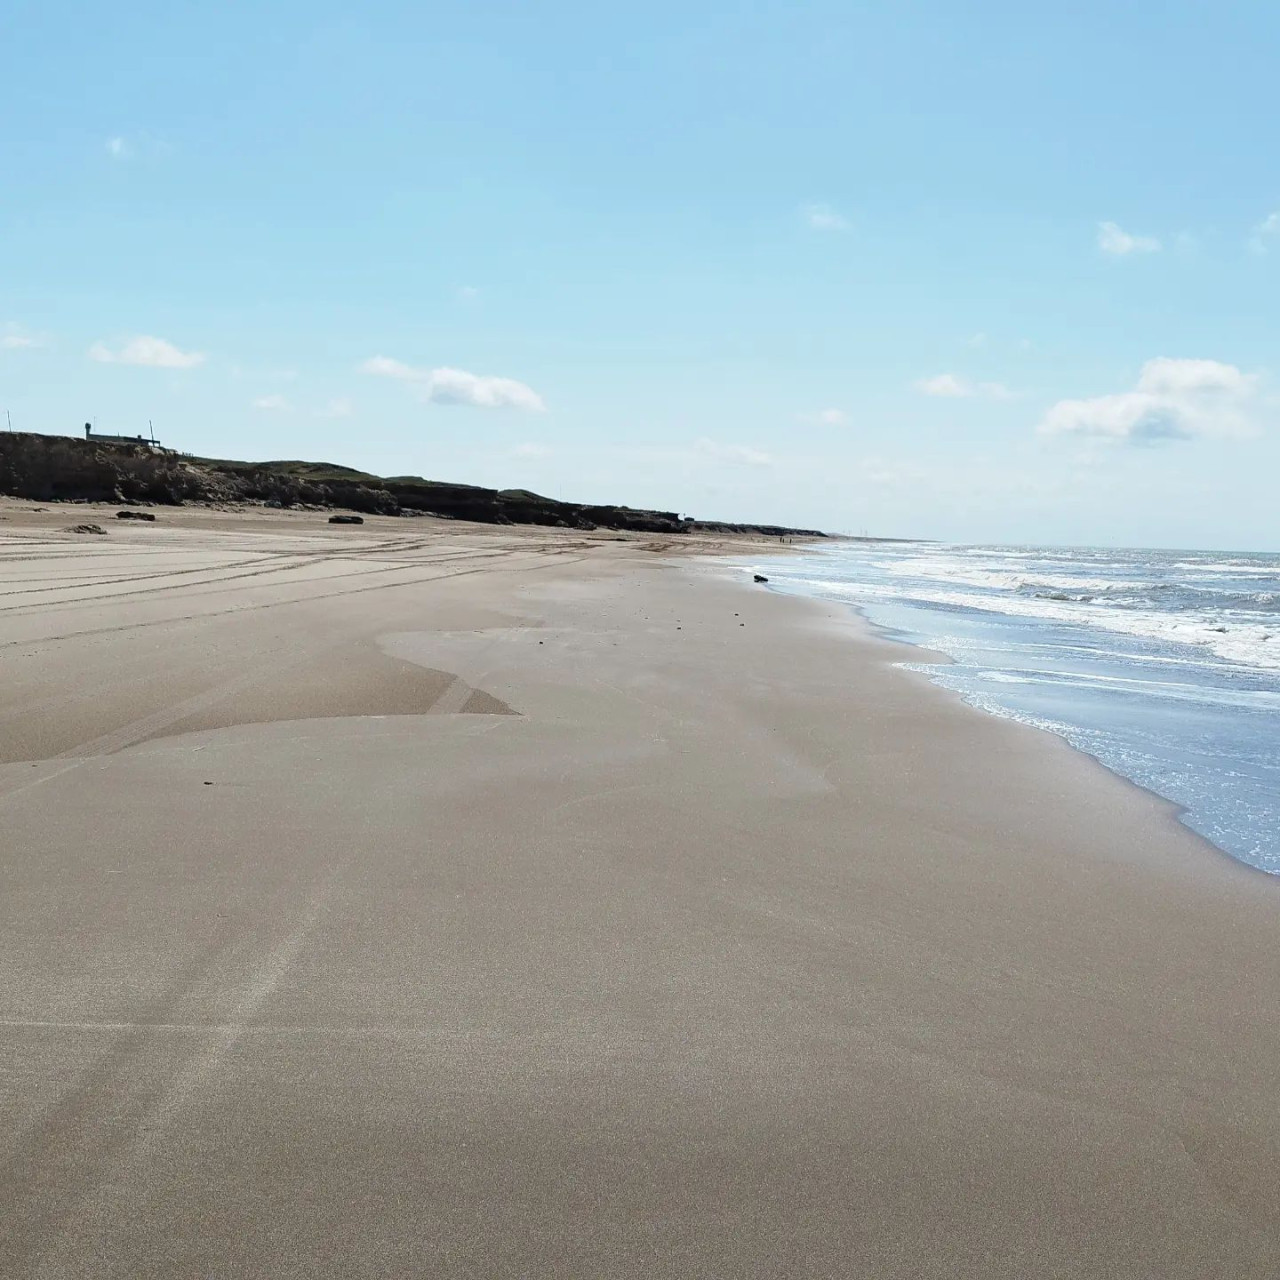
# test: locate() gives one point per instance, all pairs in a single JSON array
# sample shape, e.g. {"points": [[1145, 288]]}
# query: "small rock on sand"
{"points": [[136, 515], [87, 528]]}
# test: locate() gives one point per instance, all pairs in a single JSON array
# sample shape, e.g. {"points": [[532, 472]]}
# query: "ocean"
{"points": [[1164, 665]]}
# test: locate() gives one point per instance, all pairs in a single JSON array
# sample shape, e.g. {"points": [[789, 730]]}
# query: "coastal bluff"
{"points": [[50, 468]]}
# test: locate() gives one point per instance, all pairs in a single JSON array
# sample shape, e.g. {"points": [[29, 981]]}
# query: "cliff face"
{"points": [[53, 468], [62, 468]]}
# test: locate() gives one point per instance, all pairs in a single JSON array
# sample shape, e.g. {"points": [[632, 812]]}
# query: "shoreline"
{"points": [[915, 656], [919, 657], [934, 657], [593, 914]]}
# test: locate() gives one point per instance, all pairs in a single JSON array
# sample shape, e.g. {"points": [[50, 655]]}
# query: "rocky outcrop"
{"points": [[59, 468]]}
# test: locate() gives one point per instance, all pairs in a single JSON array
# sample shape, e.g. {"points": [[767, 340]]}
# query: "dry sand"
{"points": [[425, 900]]}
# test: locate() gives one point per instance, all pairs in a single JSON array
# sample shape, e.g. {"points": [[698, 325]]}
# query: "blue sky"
{"points": [[989, 271]]}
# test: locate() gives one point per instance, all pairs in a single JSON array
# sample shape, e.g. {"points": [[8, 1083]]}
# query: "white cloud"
{"points": [[1173, 400], [531, 450], [14, 337], [822, 217], [1265, 232], [143, 145], [825, 418], [977, 340], [468, 293], [153, 353], [1118, 243], [738, 454], [339, 408], [944, 384], [1167, 376], [385, 367], [273, 404], [948, 386], [457, 386]]}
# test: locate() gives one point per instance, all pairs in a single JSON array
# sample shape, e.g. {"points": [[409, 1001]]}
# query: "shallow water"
{"points": [[1165, 665]]}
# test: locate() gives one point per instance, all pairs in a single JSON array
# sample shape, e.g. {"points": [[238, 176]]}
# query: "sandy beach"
{"points": [[424, 899]]}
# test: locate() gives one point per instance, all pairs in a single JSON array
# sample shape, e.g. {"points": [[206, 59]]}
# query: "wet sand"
{"points": [[423, 899]]}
